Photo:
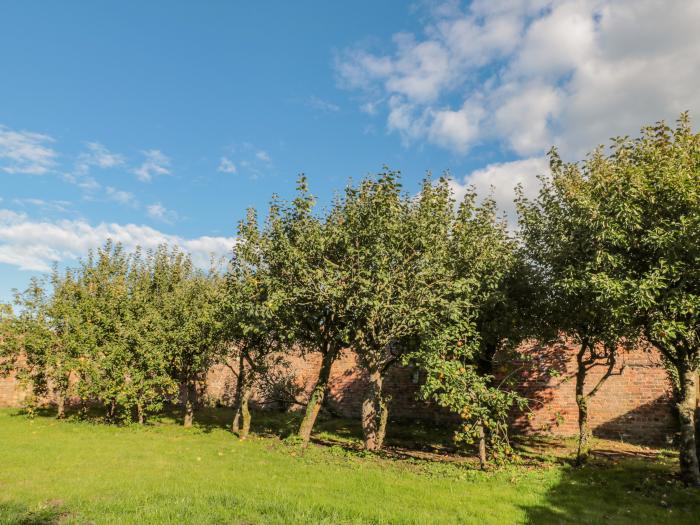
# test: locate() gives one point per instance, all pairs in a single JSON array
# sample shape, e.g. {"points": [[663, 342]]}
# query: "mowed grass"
{"points": [[81, 472]]}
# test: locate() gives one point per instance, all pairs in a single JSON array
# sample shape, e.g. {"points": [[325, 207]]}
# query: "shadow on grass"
{"points": [[47, 411], [406, 439], [618, 491], [538, 448], [264, 423], [17, 514], [417, 435], [411, 440]]}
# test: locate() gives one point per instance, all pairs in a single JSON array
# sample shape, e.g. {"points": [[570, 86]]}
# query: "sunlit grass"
{"points": [[82, 472]]}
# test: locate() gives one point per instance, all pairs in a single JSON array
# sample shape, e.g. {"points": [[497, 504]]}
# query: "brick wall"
{"points": [[347, 386], [633, 404], [11, 394]]}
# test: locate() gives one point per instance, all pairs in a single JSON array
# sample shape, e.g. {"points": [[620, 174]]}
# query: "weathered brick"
{"points": [[634, 404]]}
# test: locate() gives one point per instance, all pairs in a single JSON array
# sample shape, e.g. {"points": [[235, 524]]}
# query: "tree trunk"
{"points": [[583, 449], [584, 446], [686, 405], [190, 392], [112, 410], [60, 405], [485, 368], [244, 389], [482, 446], [236, 423], [245, 413], [383, 420], [371, 412], [318, 394], [139, 413], [697, 417]]}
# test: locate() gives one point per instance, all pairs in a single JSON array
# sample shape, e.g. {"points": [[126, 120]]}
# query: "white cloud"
{"points": [[324, 106], [26, 152], [251, 160], [156, 163], [559, 42], [522, 118], [98, 156], [456, 130], [52, 205], [226, 166], [82, 181], [407, 119], [35, 245], [120, 196], [161, 213], [421, 71], [533, 73], [369, 107], [499, 181], [263, 156]]}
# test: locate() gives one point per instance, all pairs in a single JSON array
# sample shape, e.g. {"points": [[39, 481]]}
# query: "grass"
{"points": [[83, 472]]}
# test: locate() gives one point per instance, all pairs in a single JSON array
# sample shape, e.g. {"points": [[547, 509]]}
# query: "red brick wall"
{"points": [[11, 394], [633, 404], [347, 385]]}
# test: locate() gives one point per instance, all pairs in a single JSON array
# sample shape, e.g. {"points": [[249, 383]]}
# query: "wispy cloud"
{"points": [[95, 156], [50, 205], [226, 166], [161, 213], [530, 74], [98, 156], [82, 181], [34, 245], [246, 158], [319, 104], [155, 163], [263, 156], [370, 107], [26, 152], [120, 196]]}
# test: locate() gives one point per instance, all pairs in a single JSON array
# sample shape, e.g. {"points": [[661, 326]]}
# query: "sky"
{"points": [[162, 121]]}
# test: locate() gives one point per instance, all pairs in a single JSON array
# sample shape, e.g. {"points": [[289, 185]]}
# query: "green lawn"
{"points": [[82, 472]]}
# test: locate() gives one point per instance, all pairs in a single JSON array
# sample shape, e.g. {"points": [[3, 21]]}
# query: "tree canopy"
{"points": [[605, 256]]}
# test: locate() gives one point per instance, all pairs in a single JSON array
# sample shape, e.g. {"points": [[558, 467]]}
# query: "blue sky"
{"points": [[150, 121]]}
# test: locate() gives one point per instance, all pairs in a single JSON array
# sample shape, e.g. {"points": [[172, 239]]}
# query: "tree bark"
{"points": [[190, 392], [371, 412], [582, 398], [584, 445], [485, 367], [236, 423], [245, 413], [686, 405], [60, 405], [139, 414], [383, 420], [244, 389], [112, 410], [697, 417], [583, 449], [318, 395], [482, 446]]}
